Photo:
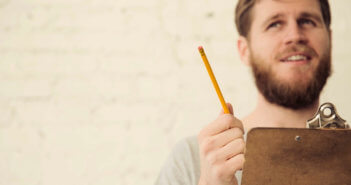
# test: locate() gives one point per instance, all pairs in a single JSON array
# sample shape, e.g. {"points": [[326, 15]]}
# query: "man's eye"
{"points": [[306, 22], [274, 25]]}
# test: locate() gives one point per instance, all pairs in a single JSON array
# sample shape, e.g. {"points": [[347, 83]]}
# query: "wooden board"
{"points": [[279, 156]]}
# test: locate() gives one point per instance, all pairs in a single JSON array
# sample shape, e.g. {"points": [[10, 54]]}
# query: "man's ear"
{"points": [[244, 51]]}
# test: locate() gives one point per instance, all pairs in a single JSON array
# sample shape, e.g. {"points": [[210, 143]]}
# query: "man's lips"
{"points": [[296, 57]]}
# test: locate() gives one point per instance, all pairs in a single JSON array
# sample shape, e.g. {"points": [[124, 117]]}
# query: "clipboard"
{"points": [[318, 155], [291, 156]]}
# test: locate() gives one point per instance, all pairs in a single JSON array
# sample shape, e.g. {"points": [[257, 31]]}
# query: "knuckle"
{"points": [[202, 135], [206, 145], [219, 172], [212, 159], [222, 173], [209, 142], [204, 150]]}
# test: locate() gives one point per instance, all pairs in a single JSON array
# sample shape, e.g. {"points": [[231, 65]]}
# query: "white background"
{"points": [[98, 92]]}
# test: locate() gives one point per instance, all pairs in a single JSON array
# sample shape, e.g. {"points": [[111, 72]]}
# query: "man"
{"points": [[287, 43]]}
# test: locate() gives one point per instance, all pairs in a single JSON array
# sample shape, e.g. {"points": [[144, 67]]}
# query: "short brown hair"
{"points": [[243, 15]]}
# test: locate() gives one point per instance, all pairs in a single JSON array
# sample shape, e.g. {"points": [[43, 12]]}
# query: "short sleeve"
{"points": [[182, 166]]}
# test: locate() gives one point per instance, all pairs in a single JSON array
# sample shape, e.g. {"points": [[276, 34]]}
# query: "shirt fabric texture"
{"points": [[183, 165]]}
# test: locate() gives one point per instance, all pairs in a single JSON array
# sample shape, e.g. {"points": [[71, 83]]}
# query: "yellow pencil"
{"points": [[213, 79]]}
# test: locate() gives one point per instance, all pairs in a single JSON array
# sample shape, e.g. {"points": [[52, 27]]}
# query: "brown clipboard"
{"points": [[297, 156]]}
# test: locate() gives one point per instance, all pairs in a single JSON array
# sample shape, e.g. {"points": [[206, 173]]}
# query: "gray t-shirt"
{"points": [[183, 165]]}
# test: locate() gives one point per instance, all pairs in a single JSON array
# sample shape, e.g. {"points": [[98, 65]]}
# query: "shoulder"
{"points": [[185, 154], [183, 164], [187, 146]]}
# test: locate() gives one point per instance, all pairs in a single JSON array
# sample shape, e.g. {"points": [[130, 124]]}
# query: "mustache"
{"points": [[297, 48]]}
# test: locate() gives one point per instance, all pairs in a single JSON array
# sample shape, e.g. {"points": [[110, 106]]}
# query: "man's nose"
{"points": [[295, 35]]}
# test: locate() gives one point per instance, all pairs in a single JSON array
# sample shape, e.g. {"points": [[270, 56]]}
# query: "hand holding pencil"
{"points": [[221, 142]]}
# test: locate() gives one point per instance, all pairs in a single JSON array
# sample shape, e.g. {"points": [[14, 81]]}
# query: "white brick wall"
{"points": [[98, 92]]}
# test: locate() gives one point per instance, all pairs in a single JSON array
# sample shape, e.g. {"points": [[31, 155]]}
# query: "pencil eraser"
{"points": [[200, 48]]}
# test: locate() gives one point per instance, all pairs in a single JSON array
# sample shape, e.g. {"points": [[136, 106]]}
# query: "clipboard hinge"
{"points": [[327, 117]]}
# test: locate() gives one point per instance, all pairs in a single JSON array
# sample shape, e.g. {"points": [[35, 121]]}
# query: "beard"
{"points": [[297, 95]]}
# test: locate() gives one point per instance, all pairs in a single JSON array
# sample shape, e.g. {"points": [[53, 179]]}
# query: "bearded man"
{"points": [[287, 44]]}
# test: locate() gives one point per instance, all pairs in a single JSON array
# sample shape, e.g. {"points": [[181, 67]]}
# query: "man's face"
{"points": [[289, 51]]}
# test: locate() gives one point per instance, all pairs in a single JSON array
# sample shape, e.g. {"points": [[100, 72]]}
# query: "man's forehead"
{"points": [[268, 8], [287, 2]]}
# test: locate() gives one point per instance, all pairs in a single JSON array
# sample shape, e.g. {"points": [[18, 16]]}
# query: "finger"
{"points": [[232, 149], [227, 136], [222, 123], [230, 107], [235, 163]]}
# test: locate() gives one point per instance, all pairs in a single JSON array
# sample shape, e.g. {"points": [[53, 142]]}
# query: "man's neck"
{"points": [[267, 114]]}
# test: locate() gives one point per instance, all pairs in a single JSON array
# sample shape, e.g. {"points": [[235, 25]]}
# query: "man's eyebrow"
{"points": [[273, 17], [314, 16]]}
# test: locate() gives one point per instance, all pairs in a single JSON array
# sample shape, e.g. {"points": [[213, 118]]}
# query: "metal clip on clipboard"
{"points": [[327, 117], [319, 154]]}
